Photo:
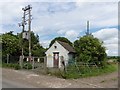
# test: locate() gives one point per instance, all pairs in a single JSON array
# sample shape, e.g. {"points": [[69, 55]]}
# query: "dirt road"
{"points": [[27, 79]]}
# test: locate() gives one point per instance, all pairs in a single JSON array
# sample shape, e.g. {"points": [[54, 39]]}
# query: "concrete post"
{"points": [[7, 58]]}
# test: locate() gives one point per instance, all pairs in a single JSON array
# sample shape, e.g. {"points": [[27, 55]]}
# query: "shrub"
{"points": [[16, 67], [27, 66], [11, 65], [90, 50]]}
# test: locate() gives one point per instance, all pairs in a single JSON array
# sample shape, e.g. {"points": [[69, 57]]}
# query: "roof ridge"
{"points": [[66, 46]]}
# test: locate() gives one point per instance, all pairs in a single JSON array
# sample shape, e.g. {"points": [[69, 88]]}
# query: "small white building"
{"points": [[58, 52]]}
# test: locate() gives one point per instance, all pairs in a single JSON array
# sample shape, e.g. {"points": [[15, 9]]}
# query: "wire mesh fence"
{"points": [[82, 67], [24, 62], [10, 59], [72, 69]]}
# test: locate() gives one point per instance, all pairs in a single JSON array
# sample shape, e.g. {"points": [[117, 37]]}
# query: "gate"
{"points": [[33, 63]]}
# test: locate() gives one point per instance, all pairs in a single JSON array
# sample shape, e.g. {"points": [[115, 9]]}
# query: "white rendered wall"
{"points": [[62, 52]]}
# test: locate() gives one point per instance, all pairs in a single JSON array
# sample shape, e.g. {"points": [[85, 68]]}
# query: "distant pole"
{"points": [[87, 33]]}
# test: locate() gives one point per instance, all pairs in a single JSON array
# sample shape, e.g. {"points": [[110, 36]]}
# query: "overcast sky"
{"points": [[67, 19]]}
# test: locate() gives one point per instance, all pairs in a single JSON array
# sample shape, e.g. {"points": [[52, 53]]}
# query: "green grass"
{"points": [[87, 72], [73, 73], [0, 64], [10, 65]]}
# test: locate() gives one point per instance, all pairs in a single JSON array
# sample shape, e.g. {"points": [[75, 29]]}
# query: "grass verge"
{"points": [[91, 71], [10, 65]]}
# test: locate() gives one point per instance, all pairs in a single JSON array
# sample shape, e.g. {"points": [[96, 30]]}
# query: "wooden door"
{"points": [[56, 59]]}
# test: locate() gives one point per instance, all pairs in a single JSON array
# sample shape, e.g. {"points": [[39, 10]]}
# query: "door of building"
{"points": [[56, 59]]}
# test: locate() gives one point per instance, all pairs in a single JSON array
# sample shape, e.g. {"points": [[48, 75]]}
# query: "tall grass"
{"points": [[84, 71]]}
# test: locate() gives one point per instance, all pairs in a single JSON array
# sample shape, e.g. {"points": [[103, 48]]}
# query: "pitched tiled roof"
{"points": [[67, 46]]}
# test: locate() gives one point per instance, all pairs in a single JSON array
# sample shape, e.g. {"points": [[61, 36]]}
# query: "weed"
{"points": [[84, 71]]}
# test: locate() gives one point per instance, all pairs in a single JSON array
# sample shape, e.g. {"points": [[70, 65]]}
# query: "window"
{"points": [[55, 47]]}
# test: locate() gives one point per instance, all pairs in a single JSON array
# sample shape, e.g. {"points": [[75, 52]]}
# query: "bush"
{"points": [[16, 67], [118, 59], [27, 66], [10, 65], [90, 50]]}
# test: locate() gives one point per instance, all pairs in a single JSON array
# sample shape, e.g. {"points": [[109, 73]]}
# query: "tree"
{"points": [[62, 39], [10, 44], [91, 50], [36, 48]]}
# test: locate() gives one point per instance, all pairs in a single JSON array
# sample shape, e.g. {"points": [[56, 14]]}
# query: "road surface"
{"points": [[10, 84], [26, 79]]}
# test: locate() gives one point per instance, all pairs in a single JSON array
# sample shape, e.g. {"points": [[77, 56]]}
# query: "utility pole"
{"points": [[26, 21], [29, 30]]}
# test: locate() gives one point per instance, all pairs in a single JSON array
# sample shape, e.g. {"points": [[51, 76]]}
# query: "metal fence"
{"points": [[33, 63], [81, 67], [39, 64], [10, 59], [24, 62]]}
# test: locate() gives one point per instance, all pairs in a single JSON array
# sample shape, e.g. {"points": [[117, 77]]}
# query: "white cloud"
{"points": [[96, 1], [62, 31], [112, 52], [45, 43], [77, 16], [71, 34], [107, 33], [113, 40], [110, 38], [60, 1], [68, 24]]}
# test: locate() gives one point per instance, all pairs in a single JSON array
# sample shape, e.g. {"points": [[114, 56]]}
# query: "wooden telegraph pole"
{"points": [[26, 21], [29, 29]]}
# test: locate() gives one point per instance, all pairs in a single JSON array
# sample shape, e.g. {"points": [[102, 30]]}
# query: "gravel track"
{"points": [[31, 79]]}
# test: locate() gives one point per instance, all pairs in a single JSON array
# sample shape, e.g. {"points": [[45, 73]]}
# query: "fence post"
{"points": [[7, 58], [45, 62], [33, 63], [21, 61]]}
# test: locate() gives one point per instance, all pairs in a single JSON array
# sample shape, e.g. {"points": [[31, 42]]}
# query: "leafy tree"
{"points": [[36, 48], [76, 47], [63, 39], [91, 50], [10, 44]]}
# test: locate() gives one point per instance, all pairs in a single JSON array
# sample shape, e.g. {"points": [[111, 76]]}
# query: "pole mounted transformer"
{"points": [[26, 27]]}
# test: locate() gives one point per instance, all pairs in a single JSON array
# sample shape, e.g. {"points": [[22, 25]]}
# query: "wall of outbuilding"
{"points": [[62, 52]]}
